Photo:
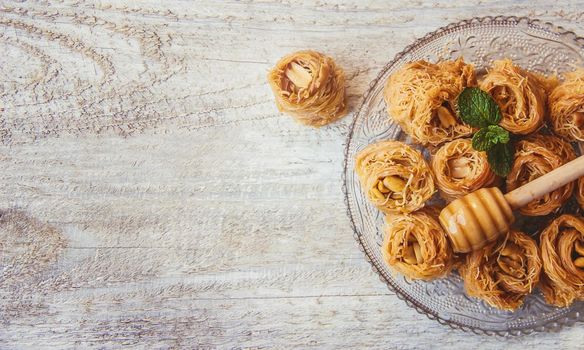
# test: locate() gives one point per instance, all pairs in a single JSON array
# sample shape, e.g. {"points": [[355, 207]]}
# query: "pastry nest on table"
{"points": [[310, 87]]}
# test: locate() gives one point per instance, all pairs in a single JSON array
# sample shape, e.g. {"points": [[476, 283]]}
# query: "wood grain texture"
{"points": [[151, 195]]}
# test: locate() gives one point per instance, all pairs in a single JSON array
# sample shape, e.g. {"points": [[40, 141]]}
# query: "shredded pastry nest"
{"points": [[520, 95], [310, 87], [394, 176], [580, 192], [560, 243], [567, 107], [535, 156], [421, 98], [416, 245], [459, 169], [504, 272]]}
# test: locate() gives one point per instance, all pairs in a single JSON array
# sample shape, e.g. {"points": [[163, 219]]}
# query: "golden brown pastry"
{"points": [[535, 156], [580, 192], [394, 176], [416, 246], [567, 107], [421, 98], [310, 87], [459, 169], [519, 94], [562, 253], [504, 272]]}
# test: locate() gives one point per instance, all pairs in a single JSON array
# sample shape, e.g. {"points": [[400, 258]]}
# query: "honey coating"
{"points": [[567, 107], [476, 219], [310, 87], [394, 176], [520, 95], [421, 97], [416, 246], [459, 169], [562, 253], [503, 272]]}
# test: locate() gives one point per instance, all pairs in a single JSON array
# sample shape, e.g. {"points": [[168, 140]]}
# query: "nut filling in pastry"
{"points": [[520, 95], [460, 170], [416, 245], [504, 272], [310, 87], [421, 98], [394, 176], [562, 253]]}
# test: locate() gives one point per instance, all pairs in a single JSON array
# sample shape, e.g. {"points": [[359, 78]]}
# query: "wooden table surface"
{"points": [[151, 195]]}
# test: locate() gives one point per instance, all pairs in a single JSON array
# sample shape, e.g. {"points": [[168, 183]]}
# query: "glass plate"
{"points": [[532, 44]]}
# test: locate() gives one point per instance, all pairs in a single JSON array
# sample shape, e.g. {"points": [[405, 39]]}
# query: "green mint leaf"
{"points": [[477, 108], [498, 134], [484, 139], [500, 158], [480, 141]]}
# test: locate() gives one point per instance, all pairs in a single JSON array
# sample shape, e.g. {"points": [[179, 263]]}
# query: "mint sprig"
{"points": [[500, 158], [487, 137], [478, 109]]}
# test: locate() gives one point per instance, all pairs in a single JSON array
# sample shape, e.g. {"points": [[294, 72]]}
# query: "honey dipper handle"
{"points": [[546, 183]]}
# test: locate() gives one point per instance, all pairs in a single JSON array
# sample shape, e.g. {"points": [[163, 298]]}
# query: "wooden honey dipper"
{"points": [[482, 216]]}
